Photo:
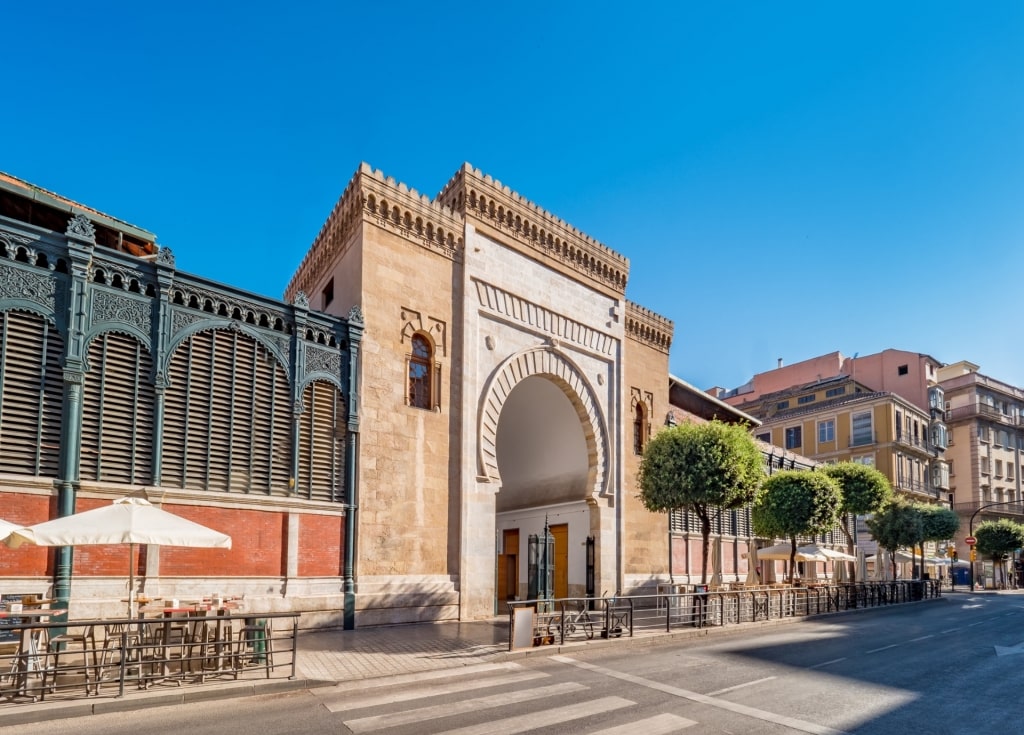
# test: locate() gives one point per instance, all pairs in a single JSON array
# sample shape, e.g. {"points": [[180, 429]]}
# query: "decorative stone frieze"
{"points": [[182, 319], [515, 308], [474, 194], [643, 325], [38, 288], [371, 197], [114, 307], [323, 360]]}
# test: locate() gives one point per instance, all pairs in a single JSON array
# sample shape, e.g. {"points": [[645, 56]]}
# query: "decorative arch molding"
{"points": [[229, 324], [550, 363], [321, 377], [29, 307], [126, 329]]}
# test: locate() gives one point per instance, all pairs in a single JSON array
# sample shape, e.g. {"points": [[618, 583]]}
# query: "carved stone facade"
{"points": [[533, 339]]}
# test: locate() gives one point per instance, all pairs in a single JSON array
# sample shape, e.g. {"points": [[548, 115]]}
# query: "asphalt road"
{"points": [[948, 666]]}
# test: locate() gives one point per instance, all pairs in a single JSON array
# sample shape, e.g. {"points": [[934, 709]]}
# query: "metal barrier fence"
{"points": [[561, 620], [82, 658]]}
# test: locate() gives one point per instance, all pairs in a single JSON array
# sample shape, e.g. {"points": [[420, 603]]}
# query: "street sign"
{"points": [[970, 541]]}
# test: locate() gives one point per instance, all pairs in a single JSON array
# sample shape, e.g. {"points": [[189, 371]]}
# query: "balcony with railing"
{"points": [[916, 487], [912, 440], [1009, 509], [981, 410]]}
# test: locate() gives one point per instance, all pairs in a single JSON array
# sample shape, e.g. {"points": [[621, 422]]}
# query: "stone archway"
{"points": [[544, 362]]}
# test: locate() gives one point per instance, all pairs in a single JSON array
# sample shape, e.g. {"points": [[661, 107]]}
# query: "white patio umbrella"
{"points": [[862, 566], [782, 551], [131, 520], [716, 562], [752, 579], [6, 529], [829, 554]]}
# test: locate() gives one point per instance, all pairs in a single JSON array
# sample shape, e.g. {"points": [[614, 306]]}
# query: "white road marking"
{"points": [[546, 718], [827, 663], [980, 622], [949, 630], [884, 648], [922, 638], [739, 686], [386, 681], [725, 704], [658, 725], [423, 714], [436, 690]]}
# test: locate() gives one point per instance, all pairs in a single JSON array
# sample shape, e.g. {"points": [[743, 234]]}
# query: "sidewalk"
{"points": [[328, 657]]}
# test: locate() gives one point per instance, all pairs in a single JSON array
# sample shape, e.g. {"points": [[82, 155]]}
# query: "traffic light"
{"points": [[952, 555]]}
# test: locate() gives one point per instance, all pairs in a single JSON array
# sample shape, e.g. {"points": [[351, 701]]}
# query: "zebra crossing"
{"points": [[487, 693]]}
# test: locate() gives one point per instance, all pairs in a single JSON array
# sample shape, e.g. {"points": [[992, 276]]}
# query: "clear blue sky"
{"points": [[787, 179]]}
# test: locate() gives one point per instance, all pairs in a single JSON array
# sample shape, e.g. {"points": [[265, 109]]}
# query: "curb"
{"points": [[131, 701]]}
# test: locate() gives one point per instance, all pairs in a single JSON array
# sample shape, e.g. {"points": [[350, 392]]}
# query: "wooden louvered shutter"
{"points": [[221, 394], [117, 412], [228, 416], [270, 459], [321, 443], [31, 395], [175, 434]]}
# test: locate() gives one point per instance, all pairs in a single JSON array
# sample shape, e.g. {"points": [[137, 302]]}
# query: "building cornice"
{"points": [[479, 197], [653, 330], [375, 199]]}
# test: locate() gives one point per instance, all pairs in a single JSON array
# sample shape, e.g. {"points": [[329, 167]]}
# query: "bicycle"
{"points": [[578, 619]]}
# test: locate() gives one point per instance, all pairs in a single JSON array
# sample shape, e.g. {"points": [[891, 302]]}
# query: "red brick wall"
{"points": [[24, 510], [321, 540], [259, 543]]}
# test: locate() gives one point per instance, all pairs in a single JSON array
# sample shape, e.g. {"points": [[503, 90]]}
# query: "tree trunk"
{"points": [[705, 534], [792, 560], [852, 551]]}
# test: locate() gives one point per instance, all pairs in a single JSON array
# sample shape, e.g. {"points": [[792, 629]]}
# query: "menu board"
{"points": [[6, 634]]}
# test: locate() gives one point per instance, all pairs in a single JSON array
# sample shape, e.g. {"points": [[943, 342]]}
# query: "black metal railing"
{"points": [[110, 657], [555, 622]]}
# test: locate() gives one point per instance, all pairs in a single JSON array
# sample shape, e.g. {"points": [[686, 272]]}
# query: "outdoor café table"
{"points": [[184, 613], [28, 658]]}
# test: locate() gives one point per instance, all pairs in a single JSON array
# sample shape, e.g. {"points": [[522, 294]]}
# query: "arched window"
{"points": [[421, 393], [639, 428]]}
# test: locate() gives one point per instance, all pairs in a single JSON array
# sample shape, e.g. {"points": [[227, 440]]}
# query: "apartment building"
{"points": [[840, 419], [986, 437]]}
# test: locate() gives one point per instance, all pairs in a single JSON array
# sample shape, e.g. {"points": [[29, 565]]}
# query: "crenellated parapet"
{"points": [[651, 329], [476, 195], [373, 198]]}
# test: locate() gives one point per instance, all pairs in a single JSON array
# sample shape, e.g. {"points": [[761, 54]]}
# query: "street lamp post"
{"points": [[970, 531]]}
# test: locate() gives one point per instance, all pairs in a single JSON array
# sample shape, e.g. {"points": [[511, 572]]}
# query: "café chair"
{"points": [[255, 647], [80, 647]]}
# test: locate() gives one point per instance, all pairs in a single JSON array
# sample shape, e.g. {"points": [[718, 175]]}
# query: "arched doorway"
{"points": [[547, 455]]}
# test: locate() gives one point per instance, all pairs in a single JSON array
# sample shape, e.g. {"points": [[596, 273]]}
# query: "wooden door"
{"points": [[561, 536], [508, 567]]}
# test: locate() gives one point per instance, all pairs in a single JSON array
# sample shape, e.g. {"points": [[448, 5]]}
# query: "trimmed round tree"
{"points": [[897, 524], [999, 538], [702, 468], [796, 503], [865, 490]]}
